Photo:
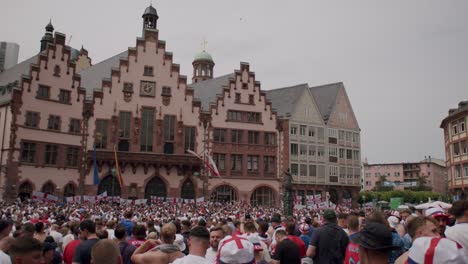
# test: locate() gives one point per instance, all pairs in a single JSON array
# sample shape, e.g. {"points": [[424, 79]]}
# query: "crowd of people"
{"points": [[222, 233]]}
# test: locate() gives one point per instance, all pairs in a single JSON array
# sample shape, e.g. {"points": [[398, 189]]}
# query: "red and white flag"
{"points": [[208, 161]]}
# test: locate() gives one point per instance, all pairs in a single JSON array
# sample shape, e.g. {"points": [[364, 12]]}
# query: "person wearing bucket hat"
{"points": [[375, 243], [328, 243], [438, 214]]}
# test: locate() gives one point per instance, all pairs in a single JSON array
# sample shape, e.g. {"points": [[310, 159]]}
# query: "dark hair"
{"points": [[185, 223], [376, 217], [49, 239], [88, 225], [4, 224], [200, 232], [290, 227], [39, 226], [342, 215], [237, 224], [177, 225], [353, 222], [128, 214], [120, 231], [458, 208], [139, 231], [217, 228], [202, 223], [102, 234], [28, 228], [24, 245], [263, 227]]}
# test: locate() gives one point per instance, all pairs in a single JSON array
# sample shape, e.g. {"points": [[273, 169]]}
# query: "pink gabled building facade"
{"points": [[62, 117]]}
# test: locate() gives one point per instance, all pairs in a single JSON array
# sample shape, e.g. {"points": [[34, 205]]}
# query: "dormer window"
{"points": [[43, 92], [166, 91], [238, 98], [57, 71], [148, 71]]}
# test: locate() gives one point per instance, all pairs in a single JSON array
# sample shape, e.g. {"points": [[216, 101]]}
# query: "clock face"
{"points": [[147, 88]]}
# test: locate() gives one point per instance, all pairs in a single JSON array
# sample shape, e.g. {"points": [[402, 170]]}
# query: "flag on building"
{"points": [[117, 168], [211, 165]]}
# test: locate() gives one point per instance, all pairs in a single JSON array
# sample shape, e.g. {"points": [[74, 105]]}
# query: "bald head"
{"points": [[106, 251]]}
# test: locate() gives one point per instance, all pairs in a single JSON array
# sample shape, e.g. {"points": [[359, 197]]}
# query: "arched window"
{"points": [[333, 196], [263, 196], [25, 190], [224, 193], [188, 190], [155, 187], [111, 185], [69, 190], [48, 188]]}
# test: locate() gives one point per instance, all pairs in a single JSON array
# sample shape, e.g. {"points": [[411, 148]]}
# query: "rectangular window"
{"points": [[342, 153], [236, 162], [270, 139], [269, 164], [454, 129], [64, 96], [333, 133], [312, 170], [303, 150], [303, 169], [465, 170], [169, 127], [254, 137], [456, 149], [294, 130], [294, 149], [51, 154], [72, 156], [54, 122], [349, 154], [457, 171], [32, 119], [75, 126], [462, 127], [238, 98], [220, 160], [234, 116], [321, 171], [294, 169], [342, 173], [320, 151], [166, 91], [356, 137], [219, 135], [148, 71], [190, 138], [101, 133], [251, 99], [356, 155], [146, 132], [311, 131], [254, 117], [312, 150], [349, 136], [28, 152], [463, 146], [124, 124], [302, 130], [252, 163], [333, 171], [43, 92], [237, 136], [341, 135], [332, 152]]}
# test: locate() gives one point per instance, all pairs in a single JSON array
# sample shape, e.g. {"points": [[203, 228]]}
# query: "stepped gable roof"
{"points": [[325, 96], [207, 91], [12, 78], [91, 78], [284, 99]]}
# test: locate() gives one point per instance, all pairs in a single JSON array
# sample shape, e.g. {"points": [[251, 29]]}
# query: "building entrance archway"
{"points": [[263, 196], [111, 185], [25, 190], [188, 190], [155, 187], [224, 193]]}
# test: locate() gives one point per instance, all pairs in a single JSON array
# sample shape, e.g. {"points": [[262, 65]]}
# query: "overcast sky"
{"points": [[404, 63]]}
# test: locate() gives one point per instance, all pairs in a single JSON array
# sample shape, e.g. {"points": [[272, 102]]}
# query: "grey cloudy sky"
{"points": [[403, 63]]}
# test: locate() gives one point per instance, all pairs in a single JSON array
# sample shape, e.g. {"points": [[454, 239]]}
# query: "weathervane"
{"points": [[204, 42]]}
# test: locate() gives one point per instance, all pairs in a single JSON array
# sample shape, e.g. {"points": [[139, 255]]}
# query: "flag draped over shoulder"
{"points": [[117, 168], [96, 174]]}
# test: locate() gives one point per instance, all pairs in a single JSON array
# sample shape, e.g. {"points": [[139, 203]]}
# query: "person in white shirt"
{"points": [[5, 245], [459, 232], [216, 235], [199, 241], [58, 237]]}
